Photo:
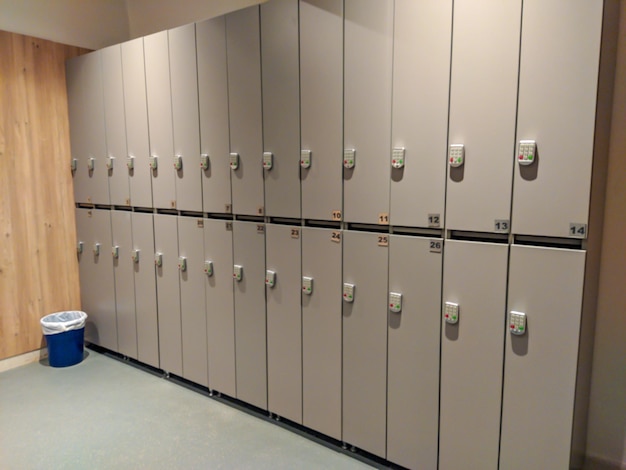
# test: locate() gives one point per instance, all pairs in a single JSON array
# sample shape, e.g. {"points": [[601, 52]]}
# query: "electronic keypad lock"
{"points": [[74, 164], [110, 162], [349, 158], [204, 161], [456, 155], [237, 272], [307, 285], [527, 152], [233, 161], [397, 158], [178, 162], [270, 278], [154, 162], [96, 249], [348, 292], [91, 163], [268, 160], [451, 312], [305, 158], [517, 323], [135, 256], [130, 162], [182, 263], [158, 259], [395, 302], [208, 268]]}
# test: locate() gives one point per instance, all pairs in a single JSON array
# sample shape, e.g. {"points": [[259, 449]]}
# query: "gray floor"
{"points": [[103, 414]]}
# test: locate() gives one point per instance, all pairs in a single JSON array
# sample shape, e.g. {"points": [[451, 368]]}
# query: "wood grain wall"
{"points": [[38, 266]]}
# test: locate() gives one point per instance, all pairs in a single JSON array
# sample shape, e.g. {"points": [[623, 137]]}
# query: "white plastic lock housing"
{"points": [[305, 158], [456, 155], [349, 158]]}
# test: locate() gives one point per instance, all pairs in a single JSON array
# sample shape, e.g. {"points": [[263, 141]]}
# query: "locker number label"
{"points": [[260, 210], [501, 225], [383, 218], [200, 223], [260, 228], [434, 220], [336, 215], [335, 236], [383, 240], [578, 230], [228, 208], [435, 246], [229, 226], [295, 233]]}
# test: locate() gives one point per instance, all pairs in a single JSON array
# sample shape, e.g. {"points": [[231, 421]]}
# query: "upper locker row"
{"points": [[369, 111]]}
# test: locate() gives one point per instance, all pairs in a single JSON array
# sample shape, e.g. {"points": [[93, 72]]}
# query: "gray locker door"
{"points": [[321, 106], [321, 331], [367, 108], [159, 96], [414, 341], [192, 306], [168, 294], [213, 102], [145, 290], [250, 316], [474, 277], [284, 321], [218, 248], [540, 369], [87, 140], [115, 125], [365, 342], [560, 45], [97, 285], [421, 75], [244, 102], [184, 76], [124, 283], [483, 98], [136, 110], [281, 106]]}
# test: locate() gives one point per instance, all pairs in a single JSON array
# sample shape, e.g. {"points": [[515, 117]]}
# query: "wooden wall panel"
{"points": [[38, 266]]}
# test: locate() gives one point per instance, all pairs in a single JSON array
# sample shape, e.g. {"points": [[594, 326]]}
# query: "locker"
{"points": [[321, 106], [136, 111], [281, 107], [365, 342], [415, 266], [97, 286], [168, 293], [87, 139], [124, 283], [561, 41], [244, 104], [145, 289], [483, 96], [284, 321], [367, 109], [541, 366], [250, 314], [322, 331], [218, 249], [184, 78], [213, 104], [192, 306], [474, 277], [159, 99], [421, 71], [115, 125]]}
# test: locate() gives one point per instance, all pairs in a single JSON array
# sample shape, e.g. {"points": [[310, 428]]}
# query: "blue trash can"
{"points": [[65, 337]]}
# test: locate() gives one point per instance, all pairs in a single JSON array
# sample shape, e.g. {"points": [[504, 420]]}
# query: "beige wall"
{"points": [[86, 23], [150, 16], [95, 24], [606, 436]]}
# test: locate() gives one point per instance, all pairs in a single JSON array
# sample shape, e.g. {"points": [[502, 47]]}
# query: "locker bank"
{"points": [[376, 223]]}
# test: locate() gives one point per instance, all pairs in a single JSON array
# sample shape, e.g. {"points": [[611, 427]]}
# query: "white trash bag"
{"points": [[60, 322]]}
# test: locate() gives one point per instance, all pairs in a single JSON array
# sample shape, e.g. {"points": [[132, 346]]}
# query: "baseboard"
{"points": [[23, 359], [598, 463]]}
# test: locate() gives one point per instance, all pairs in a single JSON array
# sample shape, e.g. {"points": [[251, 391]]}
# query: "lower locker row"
{"points": [[255, 311]]}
